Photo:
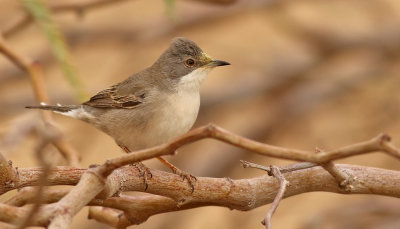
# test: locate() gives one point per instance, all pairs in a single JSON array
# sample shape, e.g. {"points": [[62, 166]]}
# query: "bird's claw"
{"points": [[185, 175], [144, 172]]}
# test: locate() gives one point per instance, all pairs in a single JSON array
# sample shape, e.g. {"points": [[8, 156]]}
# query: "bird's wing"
{"points": [[114, 97]]}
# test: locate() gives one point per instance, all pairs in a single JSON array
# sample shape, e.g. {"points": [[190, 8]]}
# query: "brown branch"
{"points": [[283, 169], [235, 194], [379, 143], [111, 217], [344, 180], [35, 72], [94, 180], [283, 183]]}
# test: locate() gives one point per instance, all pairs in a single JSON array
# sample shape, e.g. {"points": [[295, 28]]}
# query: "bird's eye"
{"points": [[190, 62]]}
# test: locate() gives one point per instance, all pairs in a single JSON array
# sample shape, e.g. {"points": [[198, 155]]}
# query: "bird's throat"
{"points": [[193, 80]]}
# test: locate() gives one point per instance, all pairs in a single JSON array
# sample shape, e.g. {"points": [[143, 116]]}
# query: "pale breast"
{"points": [[164, 122], [177, 116]]}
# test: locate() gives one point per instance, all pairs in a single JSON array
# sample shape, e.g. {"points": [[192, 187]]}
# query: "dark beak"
{"points": [[216, 63]]}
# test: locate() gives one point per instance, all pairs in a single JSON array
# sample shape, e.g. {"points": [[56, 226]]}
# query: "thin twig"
{"points": [[283, 169], [344, 180], [283, 183]]}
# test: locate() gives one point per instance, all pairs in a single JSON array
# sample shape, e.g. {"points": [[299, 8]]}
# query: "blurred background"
{"points": [[304, 74]]}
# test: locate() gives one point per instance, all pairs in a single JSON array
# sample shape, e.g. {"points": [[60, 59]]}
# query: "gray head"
{"points": [[184, 57]]}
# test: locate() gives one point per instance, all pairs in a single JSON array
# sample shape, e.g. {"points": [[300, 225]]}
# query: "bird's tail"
{"points": [[59, 109]]}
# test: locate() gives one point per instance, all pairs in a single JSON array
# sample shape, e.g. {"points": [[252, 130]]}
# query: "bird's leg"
{"points": [[143, 170], [185, 175]]}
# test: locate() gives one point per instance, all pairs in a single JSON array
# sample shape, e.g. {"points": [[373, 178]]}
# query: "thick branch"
{"points": [[244, 194], [94, 180]]}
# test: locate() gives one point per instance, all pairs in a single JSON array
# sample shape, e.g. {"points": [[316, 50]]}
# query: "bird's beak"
{"points": [[210, 62], [216, 63]]}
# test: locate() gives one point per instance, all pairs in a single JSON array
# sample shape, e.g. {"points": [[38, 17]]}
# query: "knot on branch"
{"points": [[211, 128], [8, 174], [384, 138]]}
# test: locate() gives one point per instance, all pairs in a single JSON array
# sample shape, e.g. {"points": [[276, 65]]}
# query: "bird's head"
{"points": [[185, 63]]}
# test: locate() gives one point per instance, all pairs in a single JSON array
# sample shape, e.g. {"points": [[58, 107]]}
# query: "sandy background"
{"points": [[304, 73]]}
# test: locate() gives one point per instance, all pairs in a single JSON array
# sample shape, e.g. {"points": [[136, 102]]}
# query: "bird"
{"points": [[153, 106]]}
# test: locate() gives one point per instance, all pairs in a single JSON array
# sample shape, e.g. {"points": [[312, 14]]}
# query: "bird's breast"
{"points": [[178, 114]]}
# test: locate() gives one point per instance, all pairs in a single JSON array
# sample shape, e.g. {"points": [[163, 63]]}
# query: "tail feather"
{"points": [[61, 109]]}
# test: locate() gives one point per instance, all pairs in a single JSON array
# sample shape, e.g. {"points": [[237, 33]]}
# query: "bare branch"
{"points": [[111, 217], [94, 180], [283, 183], [234, 194]]}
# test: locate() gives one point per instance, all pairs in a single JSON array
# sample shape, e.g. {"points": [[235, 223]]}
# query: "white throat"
{"points": [[193, 80]]}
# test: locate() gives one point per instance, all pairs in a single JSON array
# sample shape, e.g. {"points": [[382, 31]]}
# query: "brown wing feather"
{"points": [[110, 98]]}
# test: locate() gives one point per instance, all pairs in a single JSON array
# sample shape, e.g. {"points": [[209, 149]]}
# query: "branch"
{"points": [[283, 183], [243, 194], [93, 181]]}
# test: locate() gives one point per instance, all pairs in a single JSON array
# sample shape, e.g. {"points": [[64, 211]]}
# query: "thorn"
{"points": [[58, 105], [43, 104]]}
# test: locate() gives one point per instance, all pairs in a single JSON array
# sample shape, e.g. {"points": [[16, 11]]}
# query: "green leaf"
{"points": [[42, 16]]}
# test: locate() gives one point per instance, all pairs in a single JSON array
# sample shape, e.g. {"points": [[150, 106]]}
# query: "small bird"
{"points": [[153, 106]]}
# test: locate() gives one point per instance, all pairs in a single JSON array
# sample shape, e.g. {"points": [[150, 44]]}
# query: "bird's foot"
{"points": [[185, 175], [144, 172]]}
